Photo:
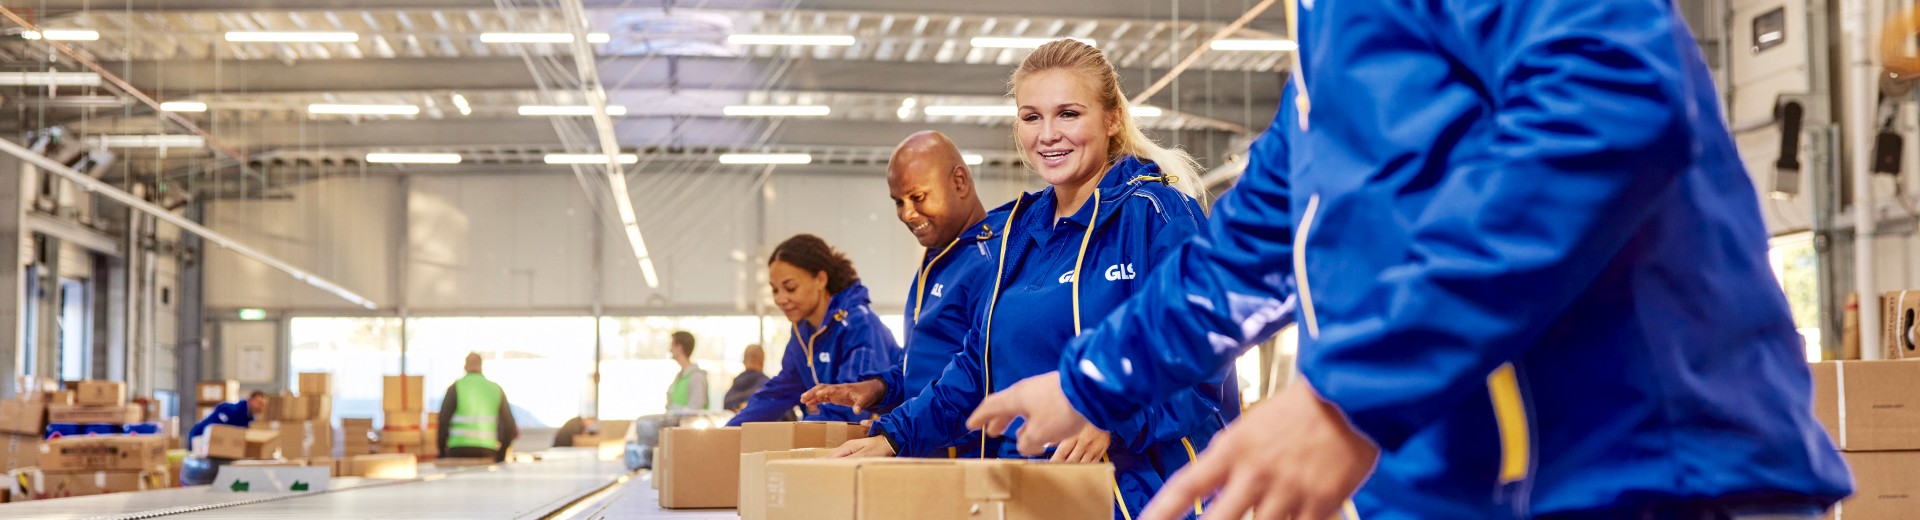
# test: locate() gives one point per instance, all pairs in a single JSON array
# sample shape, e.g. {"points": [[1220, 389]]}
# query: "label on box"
{"points": [[275, 479]]}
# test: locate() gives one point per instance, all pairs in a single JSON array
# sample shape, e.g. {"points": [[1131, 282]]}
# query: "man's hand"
{"points": [[857, 395], [1050, 418], [1294, 457], [875, 446], [1087, 446]]}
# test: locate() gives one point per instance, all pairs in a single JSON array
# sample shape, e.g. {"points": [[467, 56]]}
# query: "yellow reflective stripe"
{"points": [[986, 336], [1192, 458], [920, 294], [1082, 258], [1509, 410], [1348, 512], [1124, 513], [808, 345]]}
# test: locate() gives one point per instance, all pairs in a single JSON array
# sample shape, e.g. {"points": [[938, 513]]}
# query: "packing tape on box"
{"points": [[100, 479], [1840, 389], [989, 483]]}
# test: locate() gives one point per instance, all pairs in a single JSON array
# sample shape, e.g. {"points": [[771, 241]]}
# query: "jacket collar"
{"points": [[1121, 181], [847, 302]]}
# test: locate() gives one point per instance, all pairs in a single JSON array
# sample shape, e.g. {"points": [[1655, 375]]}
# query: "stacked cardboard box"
{"points": [[701, 468], [213, 392], [301, 440], [19, 451], [404, 402], [864, 489], [91, 465], [1871, 409], [356, 435], [96, 407], [235, 443]]}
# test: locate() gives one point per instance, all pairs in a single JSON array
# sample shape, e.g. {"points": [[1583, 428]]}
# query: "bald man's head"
{"points": [[932, 188]]}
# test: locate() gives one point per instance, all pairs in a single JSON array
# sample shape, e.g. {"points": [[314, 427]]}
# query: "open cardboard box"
{"points": [[698, 468], [753, 478]]}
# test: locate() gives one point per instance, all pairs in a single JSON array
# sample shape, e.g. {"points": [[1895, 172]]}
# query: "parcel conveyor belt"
{"points": [[565, 483]]}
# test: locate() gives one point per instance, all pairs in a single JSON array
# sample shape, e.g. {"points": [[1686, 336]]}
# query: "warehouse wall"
{"points": [[525, 243]]}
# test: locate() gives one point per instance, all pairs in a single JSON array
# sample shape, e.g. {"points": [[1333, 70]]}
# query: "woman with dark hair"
{"points": [[835, 339]]}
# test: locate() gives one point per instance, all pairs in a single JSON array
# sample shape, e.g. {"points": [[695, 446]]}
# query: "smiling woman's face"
{"points": [[797, 292], [1062, 127]]}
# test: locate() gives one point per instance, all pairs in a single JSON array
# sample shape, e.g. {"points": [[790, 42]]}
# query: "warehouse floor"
{"points": [[567, 483]]}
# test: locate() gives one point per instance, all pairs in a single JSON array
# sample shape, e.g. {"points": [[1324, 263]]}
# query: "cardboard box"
{"points": [[699, 468], [403, 437], [262, 444], [104, 453], [23, 417], [883, 488], [753, 478], [25, 385], [1868, 405], [781, 436], [404, 394], [95, 392], [37, 484], [287, 408], [224, 442], [586, 440], [316, 383], [216, 391], [353, 423], [1850, 329], [60, 397], [401, 420], [320, 408], [1886, 486], [1899, 311], [81, 414], [301, 439], [394, 466], [19, 451]]}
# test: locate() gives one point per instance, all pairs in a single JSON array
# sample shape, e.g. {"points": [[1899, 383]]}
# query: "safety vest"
{"points": [[677, 393], [476, 414]]}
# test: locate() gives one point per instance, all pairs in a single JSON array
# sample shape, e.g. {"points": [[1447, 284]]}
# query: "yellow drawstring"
{"points": [[920, 295], [986, 342]]}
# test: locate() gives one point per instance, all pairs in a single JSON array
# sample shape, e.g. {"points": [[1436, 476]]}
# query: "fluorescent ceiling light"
{"points": [[766, 158], [293, 36], [568, 110], [1262, 44], [1005, 42], [150, 141], [43, 79], [511, 37], [971, 110], [777, 110], [1146, 111], [363, 110], [973, 158], [588, 158], [460, 102], [791, 39], [413, 158], [75, 35], [183, 106]]}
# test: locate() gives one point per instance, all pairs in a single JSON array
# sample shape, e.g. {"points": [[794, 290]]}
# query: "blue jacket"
{"points": [[941, 303], [851, 341], [231, 414], [1530, 267], [1030, 316]]}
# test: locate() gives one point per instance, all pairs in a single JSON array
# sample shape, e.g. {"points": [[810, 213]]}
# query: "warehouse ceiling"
{"points": [[670, 65]]}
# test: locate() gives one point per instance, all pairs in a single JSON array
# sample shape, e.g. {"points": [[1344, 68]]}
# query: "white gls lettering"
{"points": [[1066, 277], [1120, 272], [936, 289]]}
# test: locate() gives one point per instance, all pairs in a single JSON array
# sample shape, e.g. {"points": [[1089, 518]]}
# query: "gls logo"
{"points": [[937, 288], [1120, 272]]}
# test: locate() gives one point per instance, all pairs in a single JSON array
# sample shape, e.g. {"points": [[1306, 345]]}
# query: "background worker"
{"points": [[752, 376], [196, 470], [934, 196], [688, 391], [475, 421], [836, 336]]}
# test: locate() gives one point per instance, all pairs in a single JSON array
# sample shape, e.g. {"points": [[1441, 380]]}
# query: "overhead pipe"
{"points": [[95, 186]]}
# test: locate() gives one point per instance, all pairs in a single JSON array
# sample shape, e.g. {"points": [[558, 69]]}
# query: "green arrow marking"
{"points": [[241, 485], [299, 486]]}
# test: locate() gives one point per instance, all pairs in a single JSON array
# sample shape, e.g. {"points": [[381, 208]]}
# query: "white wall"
{"points": [[339, 229]]}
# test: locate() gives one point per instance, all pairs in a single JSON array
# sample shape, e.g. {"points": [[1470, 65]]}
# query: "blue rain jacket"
{"points": [[941, 304], [851, 341], [1528, 262], [231, 414], [1137, 222]]}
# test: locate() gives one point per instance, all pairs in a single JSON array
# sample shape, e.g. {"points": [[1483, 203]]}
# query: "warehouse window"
{"points": [[636, 366], [357, 351], [1797, 267], [543, 363]]}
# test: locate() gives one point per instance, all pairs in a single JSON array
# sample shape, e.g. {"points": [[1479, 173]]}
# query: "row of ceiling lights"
{"points": [[625, 158], [829, 40]]}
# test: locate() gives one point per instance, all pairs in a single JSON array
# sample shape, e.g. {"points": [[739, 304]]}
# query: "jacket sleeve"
{"points": [[1208, 300], [869, 350], [447, 406], [1590, 134], [508, 428], [1195, 408], [932, 420], [895, 379], [780, 394]]}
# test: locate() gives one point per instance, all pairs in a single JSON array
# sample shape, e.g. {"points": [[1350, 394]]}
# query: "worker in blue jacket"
{"points": [[1531, 274], [1069, 254], [934, 196], [197, 470], [836, 335]]}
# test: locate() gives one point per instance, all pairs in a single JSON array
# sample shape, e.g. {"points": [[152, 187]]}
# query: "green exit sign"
{"points": [[253, 314]]}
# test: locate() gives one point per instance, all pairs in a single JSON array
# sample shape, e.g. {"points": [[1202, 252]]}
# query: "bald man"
{"points": [[934, 196], [475, 419]]}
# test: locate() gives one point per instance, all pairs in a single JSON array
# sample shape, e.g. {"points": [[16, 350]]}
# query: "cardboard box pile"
{"points": [[19, 451], [301, 440], [212, 392], [91, 406], [356, 435], [870, 489], [404, 403], [1871, 409], [233, 442], [38, 484], [701, 468], [92, 465]]}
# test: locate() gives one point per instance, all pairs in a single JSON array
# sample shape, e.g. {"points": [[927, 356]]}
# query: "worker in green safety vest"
{"points": [[474, 419], [688, 392]]}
